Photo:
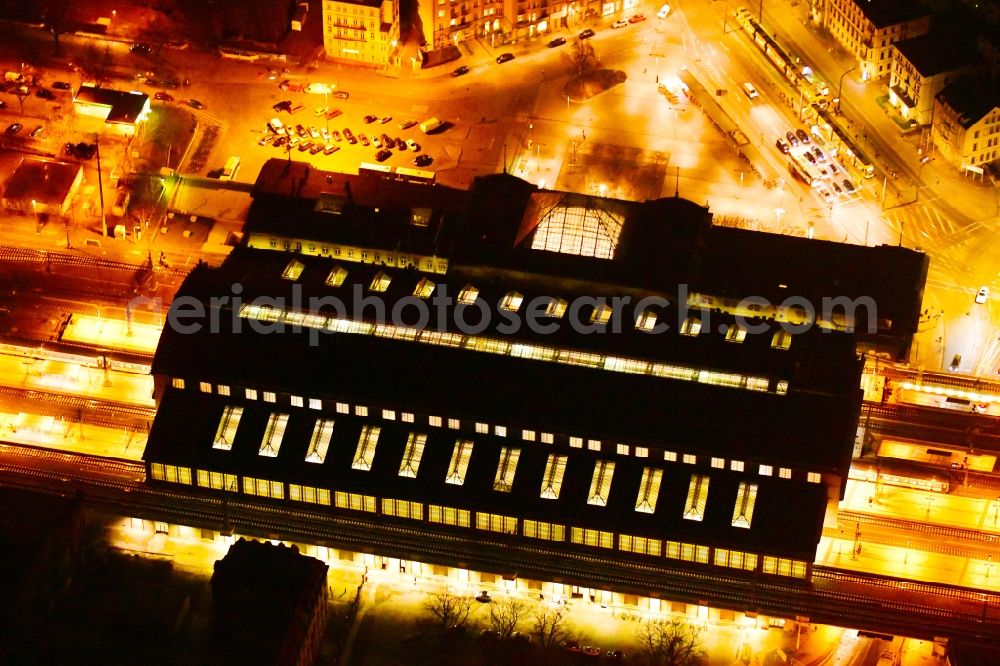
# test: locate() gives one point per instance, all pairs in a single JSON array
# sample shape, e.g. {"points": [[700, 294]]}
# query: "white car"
{"points": [[320, 110], [620, 23], [664, 10], [982, 295], [413, 145]]}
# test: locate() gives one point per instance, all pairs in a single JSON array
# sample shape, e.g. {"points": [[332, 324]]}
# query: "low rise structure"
{"points": [[120, 110], [42, 187]]}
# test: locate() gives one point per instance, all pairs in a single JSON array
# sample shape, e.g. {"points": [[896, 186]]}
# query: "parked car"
{"points": [[349, 136], [61, 85], [572, 646], [383, 155], [35, 133], [638, 18], [615, 655], [982, 295], [364, 140], [422, 160], [369, 119], [388, 141], [413, 145], [336, 135], [280, 141], [782, 145], [489, 635], [163, 97], [330, 149], [384, 120], [283, 105], [664, 11], [45, 93], [407, 124], [803, 136], [848, 185], [809, 156], [69, 149], [792, 139], [333, 113], [304, 146], [266, 139], [316, 149], [558, 41], [837, 188], [301, 131], [586, 34], [400, 144], [141, 49], [340, 94], [819, 154], [591, 651], [483, 597], [376, 141], [460, 71], [313, 132], [320, 111], [504, 57], [14, 128], [620, 23], [195, 104]]}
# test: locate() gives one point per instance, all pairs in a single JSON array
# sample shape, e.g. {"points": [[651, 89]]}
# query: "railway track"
{"points": [[13, 254], [835, 596], [106, 413]]}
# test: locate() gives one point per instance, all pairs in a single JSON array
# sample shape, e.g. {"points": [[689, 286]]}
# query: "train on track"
{"points": [[902, 473]]}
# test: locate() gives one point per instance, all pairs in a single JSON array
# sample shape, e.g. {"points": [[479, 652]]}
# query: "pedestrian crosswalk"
{"points": [[925, 225]]}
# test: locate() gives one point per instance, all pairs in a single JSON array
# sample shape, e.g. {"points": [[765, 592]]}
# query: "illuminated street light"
{"points": [[840, 86]]}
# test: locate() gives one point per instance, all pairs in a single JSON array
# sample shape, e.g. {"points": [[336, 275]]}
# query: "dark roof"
{"points": [[125, 107], [263, 597], [44, 181], [973, 96], [884, 13], [187, 421], [936, 53]]}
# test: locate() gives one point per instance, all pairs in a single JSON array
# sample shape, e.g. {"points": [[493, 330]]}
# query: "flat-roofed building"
{"points": [[120, 110], [362, 31], [42, 187]]}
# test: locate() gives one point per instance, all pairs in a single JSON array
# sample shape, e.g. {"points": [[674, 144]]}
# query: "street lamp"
{"points": [[920, 172], [840, 86], [930, 500]]}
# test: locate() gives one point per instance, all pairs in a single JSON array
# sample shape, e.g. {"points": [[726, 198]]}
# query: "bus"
{"points": [[805, 172]]}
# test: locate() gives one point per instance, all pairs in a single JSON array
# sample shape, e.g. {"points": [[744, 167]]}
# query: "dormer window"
{"points": [[691, 326], [511, 301], [601, 315], [336, 276], [380, 282], [468, 295], [424, 288], [556, 308], [646, 321], [293, 270]]}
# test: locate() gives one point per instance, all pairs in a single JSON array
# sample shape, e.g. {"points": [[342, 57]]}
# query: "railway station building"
{"points": [[557, 372]]}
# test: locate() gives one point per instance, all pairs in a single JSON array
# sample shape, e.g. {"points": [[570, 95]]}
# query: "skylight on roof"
{"points": [[270, 444], [424, 288], [649, 490], [468, 295], [600, 482], [380, 282], [511, 301], [694, 506], [746, 497], [293, 270], [226, 432], [459, 463], [365, 452], [320, 441], [555, 468], [504, 480], [414, 451], [336, 276], [587, 231]]}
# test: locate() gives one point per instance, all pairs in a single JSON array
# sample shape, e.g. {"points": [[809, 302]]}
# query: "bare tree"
{"points": [[671, 643], [506, 614], [582, 58], [449, 609], [22, 93], [55, 16], [550, 626]]}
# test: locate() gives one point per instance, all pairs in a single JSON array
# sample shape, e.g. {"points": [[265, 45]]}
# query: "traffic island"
{"points": [[591, 84]]}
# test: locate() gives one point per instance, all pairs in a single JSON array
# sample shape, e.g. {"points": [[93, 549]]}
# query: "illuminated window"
{"points": [[453, 424], [177, 383], [743, 510], [504, 480], [343, 408], [412, 454], [670, 456], [649, 490], [813, 477], [736, 465], [205, 387], [511, 301], [360, 410], [293, 270], [406, 417], [690, 459], [646, 321], [459, 463], [694, 506], [226, 431], [269, 396], [320, 441], [540, 530], [365, 452], [641, 452], [315, 403], [528, 435], [496, 523], [782, 339], [434, 421], [576, 442], [380, 282], [736, 333], [446, 515], [718, 463], [765, 470], [403, 509], [552, 479], [691, 326], [593, 445], [547, 438], [270, 444], [594, 538], [600, 315], [589, 230], [389, 414], [336, 277], [784, 473], [556, 307], [468, 295], [600, 483], [424, 288], [296, 401], [483, 428]]}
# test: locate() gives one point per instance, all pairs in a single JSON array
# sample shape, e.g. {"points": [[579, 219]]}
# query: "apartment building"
{"points": [[364, 32], [966, 126], [921, 68], [869, 28]]}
